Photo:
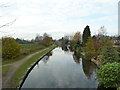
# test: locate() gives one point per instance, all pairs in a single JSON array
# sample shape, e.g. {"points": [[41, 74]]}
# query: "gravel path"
{"points": [[7, 76]]}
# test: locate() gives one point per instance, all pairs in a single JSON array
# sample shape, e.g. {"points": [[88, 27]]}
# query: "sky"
{"points": [[57, 17]]}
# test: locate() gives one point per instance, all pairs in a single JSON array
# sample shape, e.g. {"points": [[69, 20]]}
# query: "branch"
{"points": [[5, 5], [8, 24]]}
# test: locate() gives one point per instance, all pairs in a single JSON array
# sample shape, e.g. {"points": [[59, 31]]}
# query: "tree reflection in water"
{"points": [[76, 57], [64, 48], [88, 68], [46, 57]]}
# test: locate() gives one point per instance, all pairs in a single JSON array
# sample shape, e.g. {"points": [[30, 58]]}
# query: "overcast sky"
{"points": [[57, 17]]}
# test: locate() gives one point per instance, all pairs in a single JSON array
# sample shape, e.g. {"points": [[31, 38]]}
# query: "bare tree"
{"points": [[4, 5], [8, 24], [102, 31]]}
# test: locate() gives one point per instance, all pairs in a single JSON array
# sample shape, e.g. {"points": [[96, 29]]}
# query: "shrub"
{"points": [[109, 75], [88, 55], [10, 48], [100, 59], [109, 54]]}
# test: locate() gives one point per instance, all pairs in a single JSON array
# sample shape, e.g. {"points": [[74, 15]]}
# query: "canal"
{"points": [[62, 69]]}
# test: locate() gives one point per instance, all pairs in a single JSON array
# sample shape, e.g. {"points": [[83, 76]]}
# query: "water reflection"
{"points": [[64, 48], [67, 48], [89, 68], [46, 58], [76, 57], [62, 70]]}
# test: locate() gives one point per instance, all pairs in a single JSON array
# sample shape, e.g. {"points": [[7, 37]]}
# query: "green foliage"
{"points": [[109, 75], [47, 41], [86, 34], [88, 55], [89, 49], [104, 51], [25, 49], [29, 48], [99, 42], [77, 36], [5, 69], [109, 54], [66, 41], [100, 59], [75, 42], [10, 48]]}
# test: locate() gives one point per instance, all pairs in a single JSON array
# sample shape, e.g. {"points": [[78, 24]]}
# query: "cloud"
{"points": [[37, 16]]}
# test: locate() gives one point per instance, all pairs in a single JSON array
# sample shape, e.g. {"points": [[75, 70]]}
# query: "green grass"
{"points": [[17, 77], [0, 70], [6, 68], [9, 61], [28, 48]]}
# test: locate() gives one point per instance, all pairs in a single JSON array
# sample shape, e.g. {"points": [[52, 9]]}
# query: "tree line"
{"points": [[98, 49], [13, 48]]}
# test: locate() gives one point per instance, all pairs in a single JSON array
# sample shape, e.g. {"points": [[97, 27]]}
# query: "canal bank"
{"points": [[32, 66], [21, 68], [97, 63]]}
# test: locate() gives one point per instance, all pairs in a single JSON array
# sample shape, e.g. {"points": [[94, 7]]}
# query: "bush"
{"points": [[89, 55], [109, 54], [109, 75], [10, 48]]}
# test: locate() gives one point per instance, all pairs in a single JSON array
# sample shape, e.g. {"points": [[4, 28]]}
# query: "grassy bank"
{"points": [[20, 73], [5, 69], [25, 50]]}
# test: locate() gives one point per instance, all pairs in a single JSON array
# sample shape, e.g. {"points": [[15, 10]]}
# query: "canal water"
{"points": [[62, 69]]}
